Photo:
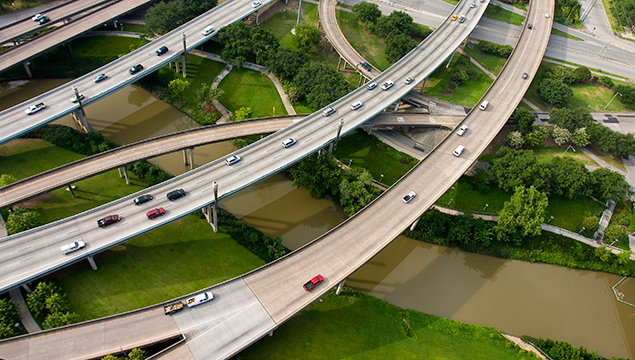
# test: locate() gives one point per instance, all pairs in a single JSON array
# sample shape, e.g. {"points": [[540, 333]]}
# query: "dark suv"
{"points": [[135, 69], [162, 50], [175, 194], [366, 65]]}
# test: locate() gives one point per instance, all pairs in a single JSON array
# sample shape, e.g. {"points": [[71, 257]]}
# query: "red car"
{"points": [[313, 282], [108, 220], [155, 213]]}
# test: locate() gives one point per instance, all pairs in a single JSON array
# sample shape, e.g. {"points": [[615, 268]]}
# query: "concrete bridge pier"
{"points": [[92, 263], [123, 172], [414, 224], [176, 63], [80, 118], [257, 17], [191, 158], [333, 145], [397, 105], [450, 61], [211, 211], [340, 286], [27, 69], [70, 49], [26, 287], [270, 333]]}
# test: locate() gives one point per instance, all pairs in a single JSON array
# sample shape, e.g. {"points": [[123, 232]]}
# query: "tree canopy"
{"points": [[366, 11], [319, 85], [515, 168], [308, 37], [164, 17], [570, 119], [555, 92], [21, 220], [523, 214]]}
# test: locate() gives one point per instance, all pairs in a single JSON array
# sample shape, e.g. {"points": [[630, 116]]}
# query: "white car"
{"points": [[288, 142], [74, 98], [462, 130], [356, 105], [387, 85], [409, 196], [255, 4], [34, 108], [199, 299], [472, 5], [371, 86], [37, 17], [409, 80], [328, 111], [232, 160], [459, 150], [547, 15], [72, 247]]}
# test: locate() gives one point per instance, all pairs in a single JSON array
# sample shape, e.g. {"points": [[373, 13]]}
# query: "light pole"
{"points": [[617, 93], [581, 230], [381, 177], [350, 161], [486, 205], [572, 148], [551, 218], [450, 201]]}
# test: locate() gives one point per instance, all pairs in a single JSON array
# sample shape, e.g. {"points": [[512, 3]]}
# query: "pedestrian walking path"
{"points": [[27, 320]]}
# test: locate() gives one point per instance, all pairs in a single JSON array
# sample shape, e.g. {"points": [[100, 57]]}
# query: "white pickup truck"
{"points": [[34, 108], [200, 298]]}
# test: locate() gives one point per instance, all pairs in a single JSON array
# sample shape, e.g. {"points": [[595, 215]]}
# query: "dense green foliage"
{"points": [[163, 17], [570, 119], [627, 92], [261, 245], [554, 91], [236, 41], [495, 49], [134, 354], [21, 220], [611, 141], [49, 302], [307, 37], [398, 46], [524, 119], [559, 350], [461, 73], [624, 11], [70, 139], [286, 64], [522, 215], [9, 315], [318, 85], [366, 11]]}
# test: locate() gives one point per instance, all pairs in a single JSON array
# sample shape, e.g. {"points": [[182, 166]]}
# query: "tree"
{"points": [[36, 301], [57, 319], [608, 184], [462, 229], [582, 74], [524, 120], [615, 232], [538, 136], [318, 174], [163, 17], [570, 119], [564, 351], [555, 92], [366, 11], [242, 113], [399, 45], [591, 223], [561, 135], [308, 37], [515, 139], [57, 302], [9, 315], [565, 74], [624, 257], [264, 44], [7, 179], [569, 177], [628, 93], [236, 41], [137, 354], [515, 168], [21, 220], [580, 137], [178, 87], [397, 22], [287, 63], [205, 94], [522, 214], [319, 85], [603, 253]]}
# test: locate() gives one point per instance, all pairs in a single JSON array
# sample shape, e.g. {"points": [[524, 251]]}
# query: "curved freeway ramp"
{"points": [[272, 294], [81, 169]]}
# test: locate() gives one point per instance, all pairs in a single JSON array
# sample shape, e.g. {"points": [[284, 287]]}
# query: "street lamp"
{"points": [[572, 148], [450, 201], [581, 230], [381, 177], [551, 218], [350, 161], [617, 93], [486, 205]]}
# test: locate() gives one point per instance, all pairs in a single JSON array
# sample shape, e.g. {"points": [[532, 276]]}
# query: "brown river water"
{"points": [[517, 297]]}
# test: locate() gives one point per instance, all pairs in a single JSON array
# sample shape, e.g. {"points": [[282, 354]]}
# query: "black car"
{"points": [[162, 50], [175, 194], [366, 65], [44, 20], [143, 199], [135, 69]]}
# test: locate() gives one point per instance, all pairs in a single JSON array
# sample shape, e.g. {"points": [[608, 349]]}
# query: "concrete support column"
{"points": [[397, 105], [339, 63], [414, 224], [257, 18], [124, 170], [361, 81], [270, 333], [423, 85], [191, 158], [80, 118], [92, 263], [176, 64], [27, 69], [339, 287], [450, 61], [70, 188], [27, 288], [299, 12], [215, 208], [70, 49], [183, 65], [339, 131], [185, 157]]}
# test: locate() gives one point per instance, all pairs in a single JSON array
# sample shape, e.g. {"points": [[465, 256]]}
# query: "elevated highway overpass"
{"points": [[216, 330], [28, 50], [67, 174], [15, 31], [15, 122]]}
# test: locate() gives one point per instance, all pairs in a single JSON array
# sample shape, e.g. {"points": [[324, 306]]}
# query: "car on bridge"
{"points": [[525, 76], [409, 196], [366, 65], [288, 142], [387, 85], [309, 285], [37, 17], [462, 130], [328, 111], [356, 105], [162, 50], [372, 85], [44, 20], [255, 4], [232, 160], [472, 5], [143, 199], [75, 99], [409, 80], [108, 220], [135, 69], [454, 17], [459, 150], [199, 299], [462, 19], [99, 78], [35, 108], [155, 213], [72, 247], [175, 194]]}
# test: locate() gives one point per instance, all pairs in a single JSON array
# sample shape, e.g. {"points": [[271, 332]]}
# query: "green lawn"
{"points": [[467, 94], [244, 87], [500, 14], [598, 97], [138, 28], [368, 152], [176, 259], [357, 326], [491, 62], [465, 197], [369, 46], [547, 153], [564, 34]]}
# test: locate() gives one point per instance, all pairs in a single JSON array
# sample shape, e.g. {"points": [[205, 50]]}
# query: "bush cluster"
{"points": [[261, 245], [495, 49], [149, 173], [70, 139], [8, 317], [49, 302], [560, 350]]}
